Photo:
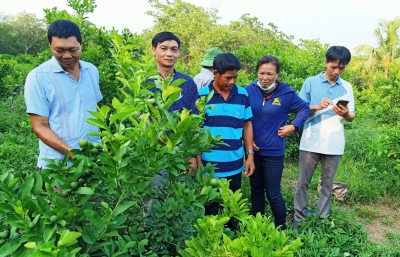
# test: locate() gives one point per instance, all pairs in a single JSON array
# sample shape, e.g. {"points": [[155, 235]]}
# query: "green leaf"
{"points": [[97, 115], [48, 232], [94, 219], [38, 185], [105, 159], [116, 103], [210, 95], [123, 207], [141, 245], [169, 91], [85, 191], [13, 182], [9, 247], [171, 120], [178, 82], [123, 115], [96, 123], [88, 236], [68, 237], [31, 245], [26, 187], [5, 207], [105, 110]]}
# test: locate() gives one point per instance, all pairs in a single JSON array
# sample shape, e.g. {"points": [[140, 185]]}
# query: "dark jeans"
{"points": [[266, 180], [213, 208]]}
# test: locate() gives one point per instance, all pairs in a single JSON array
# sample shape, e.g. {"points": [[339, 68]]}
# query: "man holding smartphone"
{"points": [[331, 101]]}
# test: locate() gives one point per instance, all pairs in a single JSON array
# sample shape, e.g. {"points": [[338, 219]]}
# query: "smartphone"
{"points": [[343, 102]]}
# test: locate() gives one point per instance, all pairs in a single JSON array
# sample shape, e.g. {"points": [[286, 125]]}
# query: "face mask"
{"points": [[267, 88]]}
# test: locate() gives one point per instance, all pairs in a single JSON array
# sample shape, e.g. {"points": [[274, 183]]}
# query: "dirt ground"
{"points": [[387, 221]]}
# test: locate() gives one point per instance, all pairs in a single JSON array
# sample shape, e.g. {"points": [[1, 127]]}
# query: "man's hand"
{"points": [[286, 130], [340, 110], [255, 148], [325, 102], [344, 112], [249, 167], [40, 125], [194, 164]]}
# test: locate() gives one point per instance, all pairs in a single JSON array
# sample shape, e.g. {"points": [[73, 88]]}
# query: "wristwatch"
{"points": [[249, 152]]}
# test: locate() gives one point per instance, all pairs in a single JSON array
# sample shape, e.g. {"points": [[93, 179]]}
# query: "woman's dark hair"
{"points": [[64, 29], [165, 36], [269, 58], [224, 62], [340, 53]]}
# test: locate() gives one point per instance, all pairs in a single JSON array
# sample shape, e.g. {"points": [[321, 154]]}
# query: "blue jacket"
{"points": [[271, 114]]}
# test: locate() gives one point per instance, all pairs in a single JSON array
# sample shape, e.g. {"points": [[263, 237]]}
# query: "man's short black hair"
{"points": [[165, 36], [224, 62], [64, 29], [340, 53]]}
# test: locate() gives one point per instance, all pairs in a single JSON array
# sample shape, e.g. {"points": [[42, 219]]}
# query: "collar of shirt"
{"points": [[325, 80], [58, 67], [234, 90]]}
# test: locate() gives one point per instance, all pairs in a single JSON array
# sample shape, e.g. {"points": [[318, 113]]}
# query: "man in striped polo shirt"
{"points": [[230, 118]]}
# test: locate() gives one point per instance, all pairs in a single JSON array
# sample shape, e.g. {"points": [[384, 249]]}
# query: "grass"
{"points": [[18, 144]]}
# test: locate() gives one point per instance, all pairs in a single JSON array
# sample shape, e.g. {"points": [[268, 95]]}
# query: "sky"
{"points": [[341, 22]]}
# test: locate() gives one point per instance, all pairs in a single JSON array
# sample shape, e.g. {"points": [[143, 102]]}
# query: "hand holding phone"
{"points": [[342, 102]]}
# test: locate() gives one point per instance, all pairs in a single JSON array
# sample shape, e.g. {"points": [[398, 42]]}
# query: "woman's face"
{"points": [[267, 74]]}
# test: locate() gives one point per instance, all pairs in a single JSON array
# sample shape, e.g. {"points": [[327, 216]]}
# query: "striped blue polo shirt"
{"points": [[226, 119]]}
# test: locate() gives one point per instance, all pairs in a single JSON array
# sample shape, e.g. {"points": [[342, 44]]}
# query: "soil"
{"points": [[387, 221]]}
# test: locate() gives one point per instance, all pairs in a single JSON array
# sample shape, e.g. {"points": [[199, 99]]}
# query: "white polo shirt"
{"points": [[323, 131]]}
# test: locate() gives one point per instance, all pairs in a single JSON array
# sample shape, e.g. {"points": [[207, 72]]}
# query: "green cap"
{"points": [[210, 55]]}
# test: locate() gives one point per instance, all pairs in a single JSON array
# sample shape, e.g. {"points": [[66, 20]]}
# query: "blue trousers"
{"points": [[266, 181]]}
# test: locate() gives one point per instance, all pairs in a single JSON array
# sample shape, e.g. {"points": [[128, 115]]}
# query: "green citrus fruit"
{"points": [[96, 145], [81, 181], [83, 143], [94, 151], [73, 185], [214, 182]]}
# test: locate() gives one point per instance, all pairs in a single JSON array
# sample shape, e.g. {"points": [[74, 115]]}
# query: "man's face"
{"points": [[225, 82], [67, 51], [334, 70], [166, 53]]}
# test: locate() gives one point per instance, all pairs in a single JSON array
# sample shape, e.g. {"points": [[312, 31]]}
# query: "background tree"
{"points": [[23, 33], [387, 51]]}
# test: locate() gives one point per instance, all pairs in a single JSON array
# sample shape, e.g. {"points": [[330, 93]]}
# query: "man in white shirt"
{"points": [[323, 134], [206, 75]]}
